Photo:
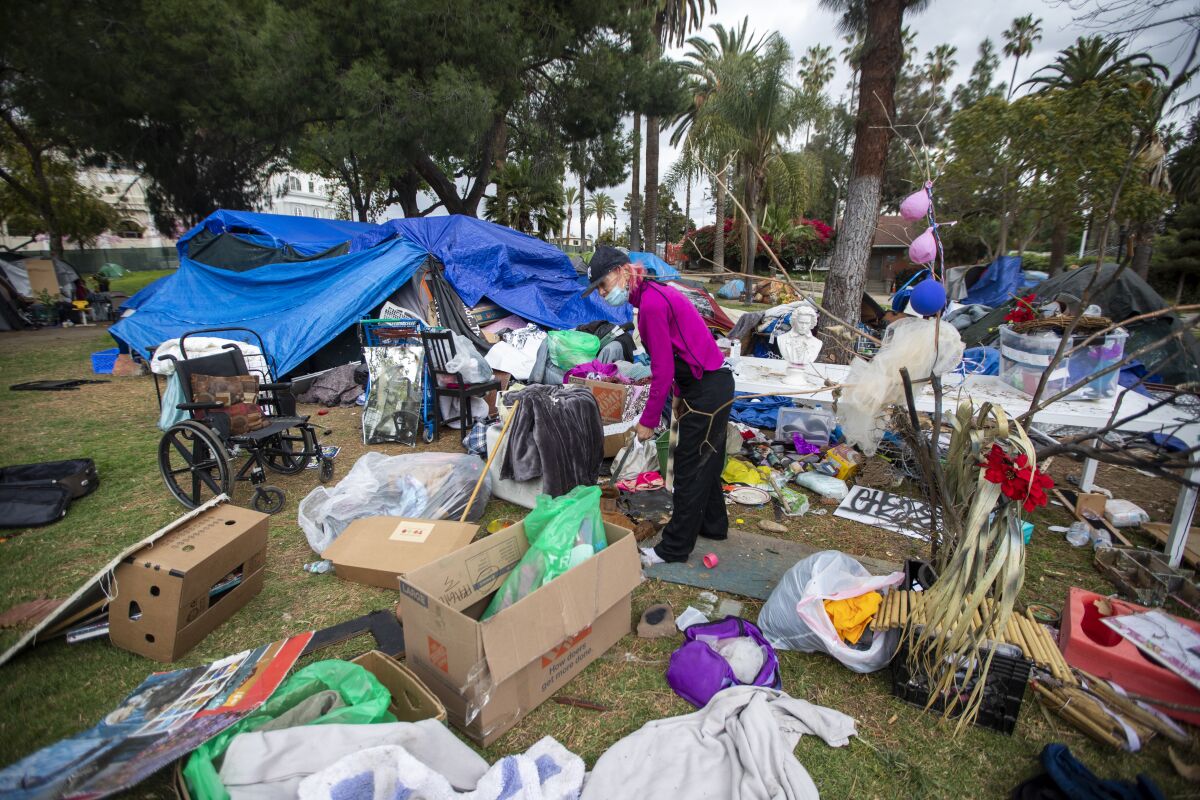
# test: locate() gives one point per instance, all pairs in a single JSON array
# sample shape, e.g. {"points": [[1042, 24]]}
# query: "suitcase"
{"points": [[39, 494], [77, 475]]}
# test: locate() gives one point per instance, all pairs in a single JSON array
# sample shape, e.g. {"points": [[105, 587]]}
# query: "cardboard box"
{"points": [[611, 397], [1090, 503], [411, 700], [378, 550], [42, 277], [163, 606], [491, 674]]}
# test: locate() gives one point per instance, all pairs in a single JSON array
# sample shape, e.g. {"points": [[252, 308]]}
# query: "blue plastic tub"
{"points": [[103, 361]]}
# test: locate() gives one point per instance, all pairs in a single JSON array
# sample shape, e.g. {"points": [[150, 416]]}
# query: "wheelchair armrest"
{"points": [[199, 406], [279, 386]]}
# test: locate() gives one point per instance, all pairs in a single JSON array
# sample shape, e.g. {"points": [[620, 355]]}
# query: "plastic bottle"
{"points": [[1079, 534], [1101, 539]]}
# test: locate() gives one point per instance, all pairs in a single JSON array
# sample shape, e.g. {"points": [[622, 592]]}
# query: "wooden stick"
{"points": [[1131, 709], [1062, 707], [488, 466]]}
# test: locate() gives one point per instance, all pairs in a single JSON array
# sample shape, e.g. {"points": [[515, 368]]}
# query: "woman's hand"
{"points": [[643, 433]]}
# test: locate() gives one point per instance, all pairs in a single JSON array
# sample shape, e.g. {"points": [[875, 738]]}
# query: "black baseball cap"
{"points": [[604, 260]]}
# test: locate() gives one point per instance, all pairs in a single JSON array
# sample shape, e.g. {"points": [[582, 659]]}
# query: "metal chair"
{"points": [[439, 351]]}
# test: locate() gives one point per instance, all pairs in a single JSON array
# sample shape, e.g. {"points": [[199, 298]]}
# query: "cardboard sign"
{"points": [[892, 512]]}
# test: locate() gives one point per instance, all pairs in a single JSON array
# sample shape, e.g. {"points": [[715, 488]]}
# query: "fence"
{"points": [[135, 259]]}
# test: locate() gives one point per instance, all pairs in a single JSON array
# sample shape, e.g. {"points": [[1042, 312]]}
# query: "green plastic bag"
{"points": [[569, 349], [562, 532], [366, 699]]}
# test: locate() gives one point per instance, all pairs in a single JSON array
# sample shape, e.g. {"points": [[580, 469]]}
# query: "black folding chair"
{"points": [[439, 351]]}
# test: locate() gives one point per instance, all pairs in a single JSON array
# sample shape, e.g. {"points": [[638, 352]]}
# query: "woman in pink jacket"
{"points": [[685, 361]]}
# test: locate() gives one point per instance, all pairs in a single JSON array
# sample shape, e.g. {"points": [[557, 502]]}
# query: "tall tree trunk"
{"points": [[749, 240], [1005, 224], [1012, 85], [582, 213], [651, 229], [687, 201], [635, 199], [599, 222], [1058, 246], [1143, 247], [882, 56], [719, 227], [570, 215]]}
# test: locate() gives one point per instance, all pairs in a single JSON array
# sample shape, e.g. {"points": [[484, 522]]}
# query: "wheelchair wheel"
{"points": [[193, 463], [289, 452], [268, 499]]}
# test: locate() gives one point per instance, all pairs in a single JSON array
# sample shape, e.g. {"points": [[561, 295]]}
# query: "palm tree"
{"points": [[583, 211], [1094, 59], [570, 197], [752, 115], [526, 198], [673, 21], [602, 206], [1019, 40], [852, 55], [881, 62], [817, 67], [939, 66], [704, 64]]}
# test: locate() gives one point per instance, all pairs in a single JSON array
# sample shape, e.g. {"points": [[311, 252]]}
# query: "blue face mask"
{"points": [[617, 297]]}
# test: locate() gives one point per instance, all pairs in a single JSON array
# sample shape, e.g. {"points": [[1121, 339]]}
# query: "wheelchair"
{"points": [[194, 455]]}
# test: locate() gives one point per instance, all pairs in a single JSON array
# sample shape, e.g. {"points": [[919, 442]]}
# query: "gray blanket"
{"points": [[556, 435], [338, 386], [738, 747]]}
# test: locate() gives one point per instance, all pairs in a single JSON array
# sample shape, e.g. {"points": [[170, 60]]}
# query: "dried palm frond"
{"points": [[981, 565]]}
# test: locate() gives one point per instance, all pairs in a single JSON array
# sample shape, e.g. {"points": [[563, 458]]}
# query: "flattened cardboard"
{"points": [[377, 551], [411, 699], [42, 276], [1093, 503], [611, 397], [505, 667], [163, 606]]}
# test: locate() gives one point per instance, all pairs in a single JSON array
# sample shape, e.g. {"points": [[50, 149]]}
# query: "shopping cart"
{"points": [[403, 332]]}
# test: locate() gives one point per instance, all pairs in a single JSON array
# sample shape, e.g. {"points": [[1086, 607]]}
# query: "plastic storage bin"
{"points": [[103, 361], [1024, 357], [814, 424]]}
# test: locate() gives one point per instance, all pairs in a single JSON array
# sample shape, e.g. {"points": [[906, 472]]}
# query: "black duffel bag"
{"points": [[39, 494]]}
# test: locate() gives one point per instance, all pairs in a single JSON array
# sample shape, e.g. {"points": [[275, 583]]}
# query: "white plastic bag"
{"points": [[421, 485], [468, 363], [824, 485], [794, 617], [643, 458], [1125, 514]]}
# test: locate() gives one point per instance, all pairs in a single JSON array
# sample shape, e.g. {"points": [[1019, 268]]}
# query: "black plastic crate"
{"points": [[1002, 695]]}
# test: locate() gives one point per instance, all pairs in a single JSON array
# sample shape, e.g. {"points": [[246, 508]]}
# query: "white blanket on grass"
{"points": [[738, 747], [547, 771]]}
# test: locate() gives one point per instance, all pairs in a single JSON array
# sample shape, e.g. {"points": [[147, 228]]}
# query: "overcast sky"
{"points": [[960, 23]]}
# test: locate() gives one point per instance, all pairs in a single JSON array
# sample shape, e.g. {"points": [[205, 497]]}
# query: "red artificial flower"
{"points": [[1018, 480], [1022, 311]]}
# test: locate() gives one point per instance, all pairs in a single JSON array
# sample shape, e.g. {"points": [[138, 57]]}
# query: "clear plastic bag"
{"points": [[468, 362], [824, 485], [562, 532], [422, 485], [642, 457], [794, 616]]}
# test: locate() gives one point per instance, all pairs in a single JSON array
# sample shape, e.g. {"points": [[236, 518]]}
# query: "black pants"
{"points": [[699, 503]]}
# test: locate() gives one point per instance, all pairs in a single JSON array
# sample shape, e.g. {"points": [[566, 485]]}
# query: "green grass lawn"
{"points": [[132, 282], [57, 690]]}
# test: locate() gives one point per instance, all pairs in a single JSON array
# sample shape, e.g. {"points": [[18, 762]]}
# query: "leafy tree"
{"points": [[674, 221], [1185, 165], [526, 198], [601, 206], [1019, 40], [1094, 59], [816, 69], [881, 22], [979, 85], [571, 197], [1178, 255], [939, 66]]}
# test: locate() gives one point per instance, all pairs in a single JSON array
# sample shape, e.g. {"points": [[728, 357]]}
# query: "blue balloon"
{"points": [[928, 297]]}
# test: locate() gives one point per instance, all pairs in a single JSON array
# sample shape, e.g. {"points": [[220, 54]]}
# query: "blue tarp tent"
{"points": [[997, 284], [655, 265], [517, 272], [298, 307], [305, 235]]}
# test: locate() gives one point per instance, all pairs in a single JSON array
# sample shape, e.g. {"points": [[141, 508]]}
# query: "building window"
{"points": [[310, 186], [128, 229], [298, 211], [293, 183]]}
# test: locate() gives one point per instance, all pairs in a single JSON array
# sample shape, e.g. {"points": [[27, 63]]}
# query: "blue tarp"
{"points": [[519, 273], [655, 265], [998, 283], [759, 412], [306, 235], [297, 308]]}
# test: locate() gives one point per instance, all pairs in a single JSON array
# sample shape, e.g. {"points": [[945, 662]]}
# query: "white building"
{"points": [[300, 194]]}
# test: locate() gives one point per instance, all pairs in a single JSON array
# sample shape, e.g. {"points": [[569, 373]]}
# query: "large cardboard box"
{"points": [[611, 397], [42, 276], [378, 550], [411, 700], [491, 674], [164, 604]]}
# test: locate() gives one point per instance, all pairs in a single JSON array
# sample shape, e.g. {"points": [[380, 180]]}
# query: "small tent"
{"points": [[31, 275], [655, 265]]}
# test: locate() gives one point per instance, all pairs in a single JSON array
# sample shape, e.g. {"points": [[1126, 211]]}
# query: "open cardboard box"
{"points": [[165, 601], [491, 674], [377, 551], [611, 397]]}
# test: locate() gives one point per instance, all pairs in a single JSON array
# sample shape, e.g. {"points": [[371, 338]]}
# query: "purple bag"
{"points": [[697, 672]]}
